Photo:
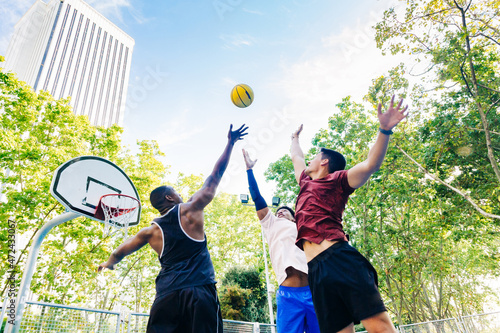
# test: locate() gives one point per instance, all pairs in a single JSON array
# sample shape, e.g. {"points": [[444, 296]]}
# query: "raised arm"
{"points": [[358, 175], [203, 197], [260, 203], [298, 160], [128, 247]]}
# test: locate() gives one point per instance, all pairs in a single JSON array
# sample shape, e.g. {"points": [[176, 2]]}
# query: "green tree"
{"points": [[457, 40], [431, 250], [243, 295], [38, 133]]}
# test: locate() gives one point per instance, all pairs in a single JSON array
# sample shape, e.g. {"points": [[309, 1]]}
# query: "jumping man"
{"points": [[186, 297], [295, 307], [343, 283]]}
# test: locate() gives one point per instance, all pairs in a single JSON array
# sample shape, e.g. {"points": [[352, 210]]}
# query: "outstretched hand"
{"points": [[250, 164], [392, 116], [237, 135], [297, 132], [105, 265]]}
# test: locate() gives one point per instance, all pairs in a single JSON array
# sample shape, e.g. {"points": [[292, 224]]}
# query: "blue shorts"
{"points": [[295, 311]]}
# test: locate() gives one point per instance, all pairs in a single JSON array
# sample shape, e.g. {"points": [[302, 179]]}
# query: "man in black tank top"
{"points": [[186, 298]]}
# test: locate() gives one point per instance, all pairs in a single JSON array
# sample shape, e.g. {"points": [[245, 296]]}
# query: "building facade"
{"points": [[67, 48]]}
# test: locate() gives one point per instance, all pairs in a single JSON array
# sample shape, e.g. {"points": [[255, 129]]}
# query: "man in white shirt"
{"points": [[295, 307]]}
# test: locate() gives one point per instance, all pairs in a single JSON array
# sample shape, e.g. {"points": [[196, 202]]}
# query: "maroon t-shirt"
{"points": [[319, 207]]}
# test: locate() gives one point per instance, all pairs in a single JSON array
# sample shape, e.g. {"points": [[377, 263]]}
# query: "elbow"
{"points": [[117, 255], [373, 167]]}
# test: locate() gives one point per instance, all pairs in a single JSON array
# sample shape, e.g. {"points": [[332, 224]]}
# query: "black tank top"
{"points": [[185, 262]]}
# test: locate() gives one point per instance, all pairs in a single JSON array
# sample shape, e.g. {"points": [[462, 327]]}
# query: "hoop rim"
{"points": [[99, 213], [117, 195]]}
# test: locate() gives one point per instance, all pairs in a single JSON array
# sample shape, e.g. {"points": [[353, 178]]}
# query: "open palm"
{"points": [[392, 116]]}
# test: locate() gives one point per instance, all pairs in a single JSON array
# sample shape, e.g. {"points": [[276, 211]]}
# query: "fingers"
{"points": [[379, 109], [403, 112], [242, 130], [297, 132], [399, 104], [392, 102]]}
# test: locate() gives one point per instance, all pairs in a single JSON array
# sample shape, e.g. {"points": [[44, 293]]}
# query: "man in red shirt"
{"points": [[343, 283]]}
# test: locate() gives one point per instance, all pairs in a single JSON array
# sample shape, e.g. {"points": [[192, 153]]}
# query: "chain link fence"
{"points": [[486, 322], [451, 325], [47, 317]]}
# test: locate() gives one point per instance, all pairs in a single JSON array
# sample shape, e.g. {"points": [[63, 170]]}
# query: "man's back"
{"points": [[185, 261]]}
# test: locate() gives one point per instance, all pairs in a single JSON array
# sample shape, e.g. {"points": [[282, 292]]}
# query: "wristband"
{"points": [[383, 131]]}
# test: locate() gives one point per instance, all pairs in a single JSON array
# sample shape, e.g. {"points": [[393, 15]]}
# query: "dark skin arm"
{"points": [[150, 235], [192, 211]]}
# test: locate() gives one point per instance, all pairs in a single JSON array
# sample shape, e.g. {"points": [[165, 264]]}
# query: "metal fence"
{"points": [[451, 325], [486, 322], [136, 323], [48, 317]]}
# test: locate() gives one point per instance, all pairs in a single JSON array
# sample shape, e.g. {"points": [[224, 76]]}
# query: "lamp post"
{"points": [[244, 198]]}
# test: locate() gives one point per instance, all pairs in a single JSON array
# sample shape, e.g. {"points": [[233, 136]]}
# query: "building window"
{"points": [[79, 58], [48, 46], [84, 70], [113, 106], [96, 82], [56, 49], [85, 98], [100, 112], [111, 77], [71, 55], [63, 56]]}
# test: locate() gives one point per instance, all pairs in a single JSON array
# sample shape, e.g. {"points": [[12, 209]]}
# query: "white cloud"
{"points": [[256, 12], [344, 64], [114, 9], [237, 40], [178, 130]]}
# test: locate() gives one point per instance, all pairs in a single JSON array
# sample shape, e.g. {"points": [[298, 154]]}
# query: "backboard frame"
{"points": [[92, 181]]}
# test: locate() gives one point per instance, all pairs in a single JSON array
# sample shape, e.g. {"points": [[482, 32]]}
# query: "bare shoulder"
{"points": [[150, 231]]}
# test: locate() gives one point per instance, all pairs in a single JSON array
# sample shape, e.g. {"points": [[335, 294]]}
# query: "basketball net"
{"points": [[116, 210]]}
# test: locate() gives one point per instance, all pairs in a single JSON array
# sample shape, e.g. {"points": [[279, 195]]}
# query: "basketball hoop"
{"points": [[116, 211]]}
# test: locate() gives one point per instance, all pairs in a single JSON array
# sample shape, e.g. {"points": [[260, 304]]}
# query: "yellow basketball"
{"points": [[242, 95]]}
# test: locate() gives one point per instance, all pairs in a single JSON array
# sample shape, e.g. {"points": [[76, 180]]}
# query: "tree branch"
{"points": [[490, 38], [482, 130], [454, 189]]}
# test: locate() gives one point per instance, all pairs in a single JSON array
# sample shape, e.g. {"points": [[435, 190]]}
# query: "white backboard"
{"points": [[79, 183]]}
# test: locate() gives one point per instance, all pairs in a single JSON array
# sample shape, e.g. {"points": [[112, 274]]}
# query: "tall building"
{"points": [[69, 49]]}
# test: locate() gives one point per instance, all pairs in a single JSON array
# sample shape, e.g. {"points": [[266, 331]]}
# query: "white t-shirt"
{"points": [[281, 235]]}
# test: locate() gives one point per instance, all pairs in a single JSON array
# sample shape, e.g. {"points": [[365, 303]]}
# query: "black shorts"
{"points": [[344, 287], [188, 310]]}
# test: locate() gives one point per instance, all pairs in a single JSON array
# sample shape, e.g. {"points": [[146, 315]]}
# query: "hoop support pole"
{"points": [[30, 268]]}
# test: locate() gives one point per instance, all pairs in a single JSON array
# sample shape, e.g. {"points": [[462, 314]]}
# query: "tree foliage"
{"points": [[431, 248], [243, 295], [39, 133]]}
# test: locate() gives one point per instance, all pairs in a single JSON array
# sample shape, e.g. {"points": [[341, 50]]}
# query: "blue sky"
{"points": [[299, 56]]}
